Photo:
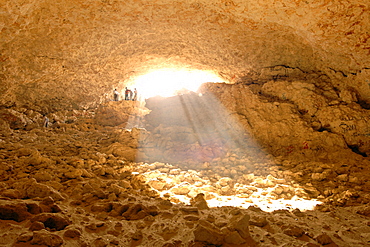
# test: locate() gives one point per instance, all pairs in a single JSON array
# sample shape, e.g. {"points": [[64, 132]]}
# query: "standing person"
{"points": [[115, 95], [46, 122], [135, 95], [130, 91], [126, 93]]}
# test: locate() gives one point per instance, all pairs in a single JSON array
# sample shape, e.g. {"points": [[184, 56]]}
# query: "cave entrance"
{"points": [[193, 145], [168, 82]]}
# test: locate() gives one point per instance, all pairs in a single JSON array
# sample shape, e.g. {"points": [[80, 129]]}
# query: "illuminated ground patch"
{"points": [[266, 192]]}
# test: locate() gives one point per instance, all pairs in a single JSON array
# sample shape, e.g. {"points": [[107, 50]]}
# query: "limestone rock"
{"points": [[72, 232], [37, 226], [309, 103], [135, 212], [241, 224], [41, 190], [258, 221], [14, 119], [44, 237], [124, 152], [208, 234], [13, 211], [25, 237], [74, 173], [115, 113], [181, 189], [294, 231], [53, 221], [234, 238], [290, 108], [101, 207], [199, 202], [43, 176], [158, 185], [12, 193], [324, 239]]}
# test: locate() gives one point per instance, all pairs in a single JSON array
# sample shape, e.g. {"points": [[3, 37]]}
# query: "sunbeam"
{"points": [[193, 145]]}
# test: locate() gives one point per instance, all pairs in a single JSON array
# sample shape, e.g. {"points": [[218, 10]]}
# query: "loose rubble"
{"points": [[81, 182]]}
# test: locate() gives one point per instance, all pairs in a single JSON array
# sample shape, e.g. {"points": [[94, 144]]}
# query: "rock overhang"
{"points": [[79, 50]]}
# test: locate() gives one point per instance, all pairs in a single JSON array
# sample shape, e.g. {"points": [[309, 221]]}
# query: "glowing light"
{"points": [[198, 132], [264, 203], [170, 82], [260, 196]]}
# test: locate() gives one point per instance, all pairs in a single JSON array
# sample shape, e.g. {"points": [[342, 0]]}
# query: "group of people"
{"points": [[129, 94]]}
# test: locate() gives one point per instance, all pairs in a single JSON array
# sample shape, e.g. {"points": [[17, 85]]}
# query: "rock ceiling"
{"points": [[69, 53]]}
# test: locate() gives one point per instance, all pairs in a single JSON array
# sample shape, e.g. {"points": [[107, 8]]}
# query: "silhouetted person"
{"points": [[115, 95], [130, 97], [127, 94], [46, 122], [135, 95]]}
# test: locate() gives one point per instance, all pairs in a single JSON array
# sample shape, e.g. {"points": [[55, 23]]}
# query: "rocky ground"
{"points": [[63, 186]]}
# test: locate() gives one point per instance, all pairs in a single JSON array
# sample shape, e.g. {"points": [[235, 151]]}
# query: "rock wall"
{"points": [[292, 119], [299, 120]]}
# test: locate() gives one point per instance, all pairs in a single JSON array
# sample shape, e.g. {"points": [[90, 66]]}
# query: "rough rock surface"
{"points": [[209, 183], [277, 156], [71, 54]]}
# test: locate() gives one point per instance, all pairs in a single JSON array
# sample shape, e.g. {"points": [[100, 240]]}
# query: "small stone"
{"points": [[43, 176], [42, 191], [318, 176], [353, 179], [241, 224], [249, 177], [48, 201], [52, 220], [12, 194], [157, 185], [259, 221], [72, 233], [234, 238], [224, 181], [324, 239], [37, 226], [342, 177], [135, 212], [101, 207], [191, 218], [25, 237], [208, 235], [100, 242], [199, 202], [294, 231], [183, 190], [279, 190], [364, 211], [14, 211], [75, 173], [44, 237]]}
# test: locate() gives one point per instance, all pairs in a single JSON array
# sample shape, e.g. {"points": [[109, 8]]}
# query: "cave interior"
{"points": [[248, 124]]}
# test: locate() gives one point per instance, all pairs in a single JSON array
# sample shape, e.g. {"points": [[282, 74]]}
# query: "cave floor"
{"points": [[59, 188]]}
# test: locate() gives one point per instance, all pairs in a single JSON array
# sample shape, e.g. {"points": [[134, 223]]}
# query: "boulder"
{"points": [[54, 221], [43, 237], [16, 211]]}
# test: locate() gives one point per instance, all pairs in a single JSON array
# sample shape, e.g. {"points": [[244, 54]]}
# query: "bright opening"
{"points": [[170, 82], [200, 147]]}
